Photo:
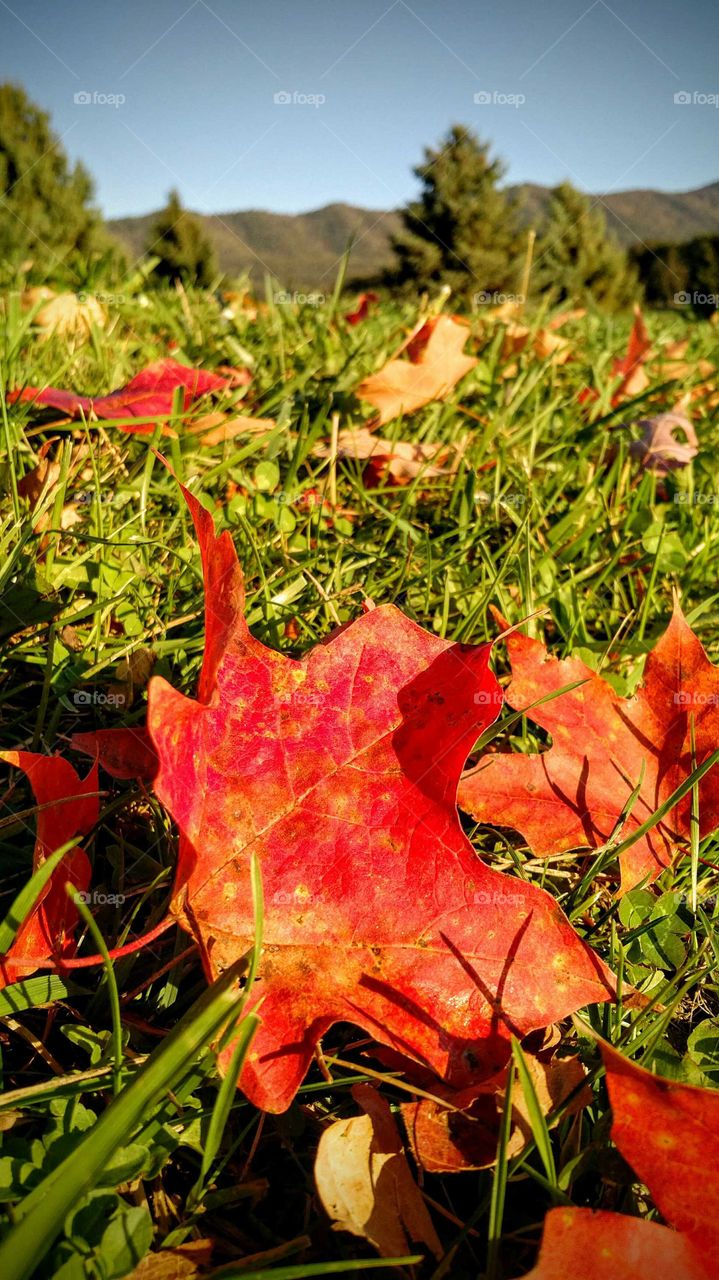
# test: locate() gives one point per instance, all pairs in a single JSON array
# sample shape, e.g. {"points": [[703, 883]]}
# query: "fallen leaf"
{"points": [[630, 367], [365, 1184], [339, 772], [131, 676], [149, 394], [436, 364], [660, 449], [216, 428], [572, 795], [64, 313], [399, 459], [183, 1262], [610, 1246], [464, 1133], [669, 1134], [361, 311], [68, 808]]}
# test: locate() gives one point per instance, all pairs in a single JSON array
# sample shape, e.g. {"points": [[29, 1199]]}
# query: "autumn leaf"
{"points": [[149, 394], [400, 460], [572, 795], [660, 447], [361, 311], [339, 772], [63, 313], [462, 1134], [365, 1184], [436, 364], [669, 1134], [630, 367], [68, 807]]}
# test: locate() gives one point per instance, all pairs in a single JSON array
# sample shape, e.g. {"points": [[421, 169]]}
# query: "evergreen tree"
{"points": [[46, 213], [577, 260], [461, 231], [185, 252]]}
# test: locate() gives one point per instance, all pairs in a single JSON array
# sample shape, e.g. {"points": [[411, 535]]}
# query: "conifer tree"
{"points": [[179, 240], [461, 231], [47, 217], [577, 259]]}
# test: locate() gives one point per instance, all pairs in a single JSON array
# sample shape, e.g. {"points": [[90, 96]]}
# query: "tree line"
{"points": [[462, 231]]}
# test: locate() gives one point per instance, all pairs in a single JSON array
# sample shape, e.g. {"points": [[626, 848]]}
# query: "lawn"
{"points": [[532, 501]]}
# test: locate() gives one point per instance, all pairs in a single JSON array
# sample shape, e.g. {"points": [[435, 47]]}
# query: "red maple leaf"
{"points": [[572, 795], [669, 1134], [361, 311], [339, 772], [628, 368], [149, 394], [68, 808]]}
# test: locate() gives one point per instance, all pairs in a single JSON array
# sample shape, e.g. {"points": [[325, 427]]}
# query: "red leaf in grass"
{"points": [[149, 394], [630, 367], [123, 753], [361, 311], [69, 808], [340, 773], [669, 1134], [572, 795]]}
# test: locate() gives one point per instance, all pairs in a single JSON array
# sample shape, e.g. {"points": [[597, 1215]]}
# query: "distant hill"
{"points": [[303, 250]]}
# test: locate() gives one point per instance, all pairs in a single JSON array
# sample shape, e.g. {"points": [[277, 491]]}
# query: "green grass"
{"points": [[546, 514]]}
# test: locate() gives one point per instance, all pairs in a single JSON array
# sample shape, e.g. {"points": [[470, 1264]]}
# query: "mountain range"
{"points": [[303, 250]]}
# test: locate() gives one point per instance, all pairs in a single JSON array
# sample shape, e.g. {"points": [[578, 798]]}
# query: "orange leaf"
{"points": [[436, 364]]}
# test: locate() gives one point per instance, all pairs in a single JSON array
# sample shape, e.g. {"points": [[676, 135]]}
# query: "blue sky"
{"points": [[371, 84]]}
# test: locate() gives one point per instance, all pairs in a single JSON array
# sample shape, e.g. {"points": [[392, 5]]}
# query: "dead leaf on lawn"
{"points": [[365, 1183]]}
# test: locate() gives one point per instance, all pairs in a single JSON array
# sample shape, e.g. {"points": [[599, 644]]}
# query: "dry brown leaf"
{"points": [[64, 313], [184, 1262], [661, 447], [463, 1133], [436, 364], [401, 459], [216, 428], [365, 1183], [132, 675]]}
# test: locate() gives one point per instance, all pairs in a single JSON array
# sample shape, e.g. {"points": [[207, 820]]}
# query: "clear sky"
{"points": [[371, 82]]}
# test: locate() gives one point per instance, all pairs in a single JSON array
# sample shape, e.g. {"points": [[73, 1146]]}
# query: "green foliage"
{"points": [[577, 260], [185, 253], [461, 232], [47, 219], [682, 274]]}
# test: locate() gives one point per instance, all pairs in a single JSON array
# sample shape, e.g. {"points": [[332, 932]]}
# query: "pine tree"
{"points": [[461, 231], [46, 213], [179, 240], [577, 259]]}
